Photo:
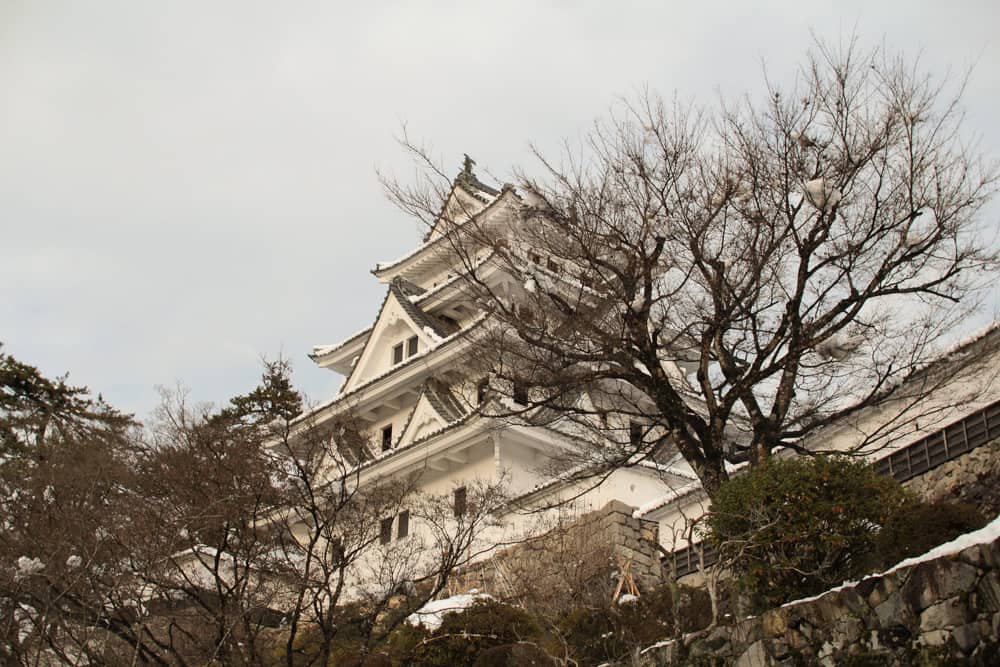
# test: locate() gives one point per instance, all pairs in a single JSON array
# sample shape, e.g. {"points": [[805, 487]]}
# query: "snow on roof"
{"points": [[409, 362], [444, 284], [431, 615], [383, 266], [321, 350], [969, 339], [665, 499]]}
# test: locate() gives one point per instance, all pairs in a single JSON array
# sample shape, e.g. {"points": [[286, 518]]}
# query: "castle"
{"points": [[419, 405]]}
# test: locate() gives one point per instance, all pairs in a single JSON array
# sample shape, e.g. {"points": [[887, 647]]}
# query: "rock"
{"points": [[747, 632], [882, 589], [779, 649], [894, 611], [895, 637], [795, 640], [967, 637], [945, 615], [755, 656], [988, 593], [979, 555], [774, 622], [849, 628], [824, 612], [936, 580], [935, 638], [855, 601]]}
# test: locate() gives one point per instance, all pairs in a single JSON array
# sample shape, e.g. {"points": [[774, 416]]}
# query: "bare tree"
{"points": [[380, 547], [212, 537], [723, 281]]}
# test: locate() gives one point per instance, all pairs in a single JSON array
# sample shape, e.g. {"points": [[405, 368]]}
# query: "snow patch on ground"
{"points": [[431, 615]]}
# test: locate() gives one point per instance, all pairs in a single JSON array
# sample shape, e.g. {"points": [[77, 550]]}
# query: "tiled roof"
{"points": [[407, 287], [448, 407], [397, 450], [445, 402], [403, 289], [408, 362], [323, 350], [428, 243]]}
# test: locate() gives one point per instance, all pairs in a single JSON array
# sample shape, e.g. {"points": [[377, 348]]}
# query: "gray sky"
{"points": [[186, 186]]}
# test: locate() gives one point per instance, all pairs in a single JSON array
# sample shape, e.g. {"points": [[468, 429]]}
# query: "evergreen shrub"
{"points": [[918, 527], [464, 636], [795, 527]]}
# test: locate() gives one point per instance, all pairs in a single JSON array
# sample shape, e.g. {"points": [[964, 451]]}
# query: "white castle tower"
{"points": [[408, 388]]}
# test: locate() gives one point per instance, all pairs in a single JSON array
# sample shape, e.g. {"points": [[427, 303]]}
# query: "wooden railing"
{"points": [[904, 464]]}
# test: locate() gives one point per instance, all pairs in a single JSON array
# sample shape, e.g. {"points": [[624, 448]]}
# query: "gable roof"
{"points": [[382, 268], [435, 403], [424, 325], [466, 182], [403, 290]]}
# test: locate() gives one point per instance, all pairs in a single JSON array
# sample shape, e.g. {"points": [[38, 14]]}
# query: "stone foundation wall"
{"points": [[973, 477], [944, 611], [585, 556]]}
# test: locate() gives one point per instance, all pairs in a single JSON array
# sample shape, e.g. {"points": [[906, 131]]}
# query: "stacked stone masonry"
{"points": [[943, 611], [607, 540]]}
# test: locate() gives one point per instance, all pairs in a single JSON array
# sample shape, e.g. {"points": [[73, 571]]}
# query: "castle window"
{"points": [[397, 354], [336, 551], [482, 387], [461, 501], [520, 393], [552, 265], [635, 433], [385, 531], [387, 438], [534, 258], [403, 525], [411, 346]]}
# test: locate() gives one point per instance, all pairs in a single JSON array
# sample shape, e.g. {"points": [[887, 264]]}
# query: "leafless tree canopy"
{"points": [[726, 279], [199, 539]]}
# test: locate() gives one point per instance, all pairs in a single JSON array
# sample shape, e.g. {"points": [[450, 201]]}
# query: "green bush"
{"points": [[593, 636], [463, 636], [598, 635], [514, 655], [918, 527], [795, 527]]}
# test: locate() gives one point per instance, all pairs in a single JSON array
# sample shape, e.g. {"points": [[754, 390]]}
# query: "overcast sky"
{"points": [[186, 186]]}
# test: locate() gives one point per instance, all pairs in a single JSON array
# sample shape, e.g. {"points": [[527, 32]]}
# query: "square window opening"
{"points": [[636, 432], [403, 525], [461, 501]]}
